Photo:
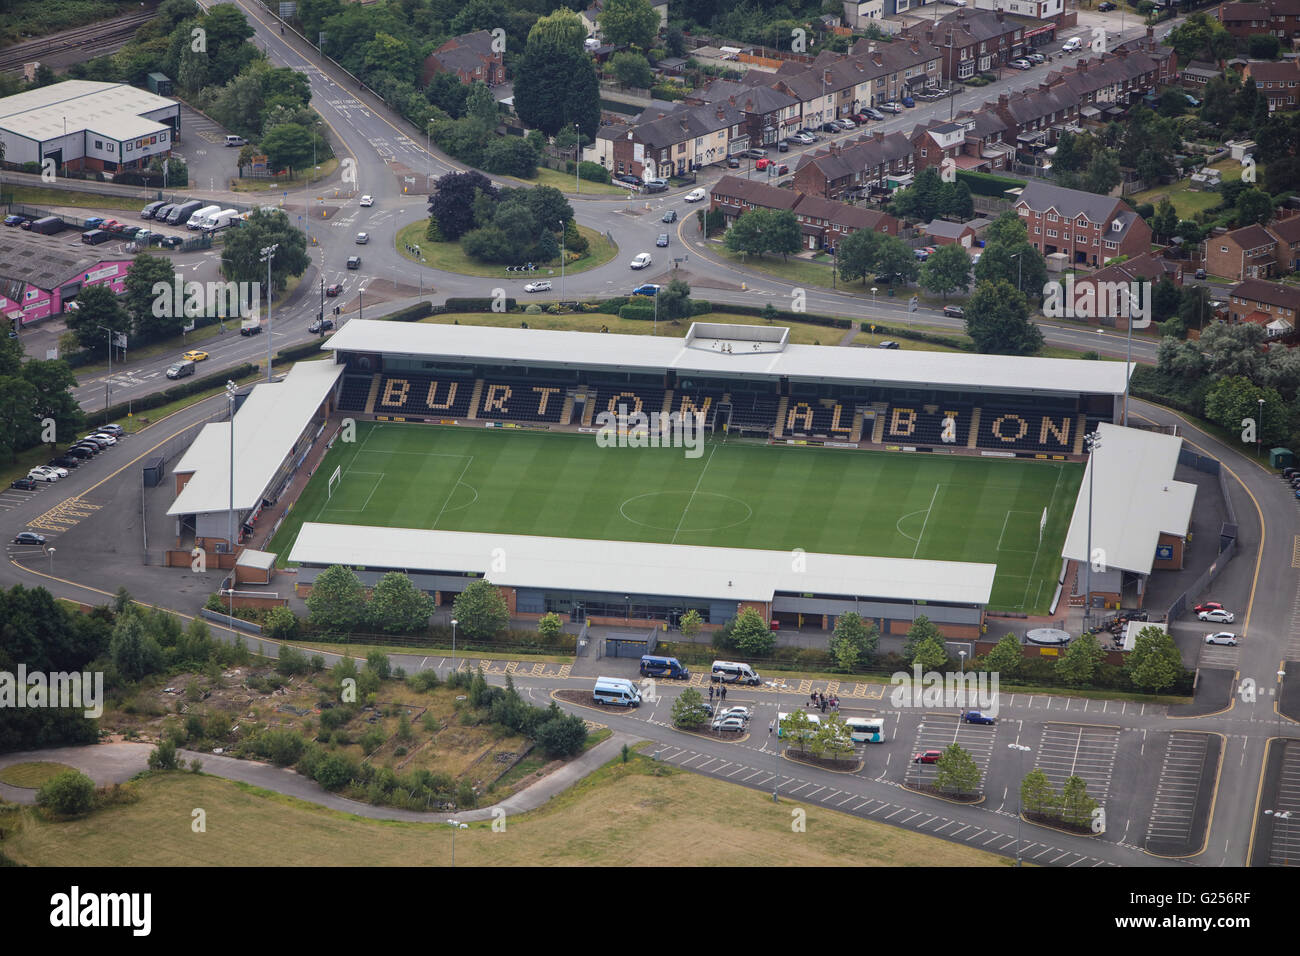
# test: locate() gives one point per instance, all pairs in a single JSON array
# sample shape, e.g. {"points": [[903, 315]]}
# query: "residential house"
{"points": [[1113, 79], [825, 222], [894, 70], [1052, 10], [1269, 304], [770, 114], [1278, 17], [973, 41], [1036, 118], [1247, 253], [1287, 234], [1086, 227], [941, 232], [672, 143], [1196, 74], [590, 16], [735, 195], [1146, 268], [1276, 81], [853, 167], [471, 56]]}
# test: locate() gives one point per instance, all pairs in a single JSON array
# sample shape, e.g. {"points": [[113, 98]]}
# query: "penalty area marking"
{"points": [[1004, 531]]}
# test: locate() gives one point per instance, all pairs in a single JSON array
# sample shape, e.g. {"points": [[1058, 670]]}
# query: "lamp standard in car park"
{"points": [[454, 622], [50, 552], [268, 254], [1020, 795]]}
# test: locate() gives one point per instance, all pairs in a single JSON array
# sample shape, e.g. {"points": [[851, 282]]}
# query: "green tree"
{"points": [[1078, 665], [930, 654], [997, 320], [690, 624], [549, 626], [1020, 265], [241, 255], [19, 428], [163, 757], [1076, 806], [921, 200], [1006, 657], [631, 69], [562, 736], [1254, 207], [134, 650], [631, 22], [481, 106], [377, 662], [1264, 46], [1037, 795], [97, 306], [1165, 222], [145, 273], [688, 709], [287, 147], [922, 630], [852, 641], [956, 771], [1232, 402], [752, 635], [1006, 230], [69, 793], [798, 730], [1154, 663], [397, 606], [948, 270], [746, 234], [453, 201], [895, 261], [337, 603], [1102, 174], [563, 89], [280, 624], [833, 738], [560, 30], [291, 661], [481, 611], [675, 301], [855, 255]]}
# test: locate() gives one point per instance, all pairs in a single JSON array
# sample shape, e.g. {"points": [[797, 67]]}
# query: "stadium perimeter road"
{"points": [[96, 554]]}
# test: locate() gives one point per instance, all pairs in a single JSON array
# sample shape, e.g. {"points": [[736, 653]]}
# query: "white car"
{"points": [[367, 200], [1218, 616], [41, 473], [1223, 637], [105, 436], [542, 285], [60, 472], [846, 123], [729, 723], [695, 195], [742, 712], [641, 261], [363, 238]]}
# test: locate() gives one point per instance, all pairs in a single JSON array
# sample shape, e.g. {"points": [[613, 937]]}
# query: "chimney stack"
{"points": [[731, 100], [916, 47], [721, 114], [877, 59], [1001, 17], [826, 75], [877, 135], [1083, 66], [1003, 101], [929, 37]]}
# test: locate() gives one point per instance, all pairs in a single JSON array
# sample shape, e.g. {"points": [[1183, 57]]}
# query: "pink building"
{"points": [[37, 278]]}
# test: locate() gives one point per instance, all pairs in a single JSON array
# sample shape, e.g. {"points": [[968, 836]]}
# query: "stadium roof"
{"points": [[266, 426], [114, 110], [1135, 499], [810, 363], [582, 564]]}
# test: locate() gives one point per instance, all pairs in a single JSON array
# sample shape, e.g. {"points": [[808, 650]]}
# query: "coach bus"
{"points": [[870, 730]]}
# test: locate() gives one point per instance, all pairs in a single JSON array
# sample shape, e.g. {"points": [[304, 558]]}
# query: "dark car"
{"points": [[321, 325], [65, 461], [733, 162], [630, 179], [29, 537], [873, 113], [756, 153], [670, 216], [25, 484], [16, 220], [247, 330], [975, 717], [829, 127], [1200, 273], [955, 311], [783, 147], [887, 344], [77, 452], [662, 240], [1105, 6], [170, 242]]}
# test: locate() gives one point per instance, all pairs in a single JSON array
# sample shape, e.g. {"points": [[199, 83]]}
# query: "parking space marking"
{"points": [[1067, 750]]}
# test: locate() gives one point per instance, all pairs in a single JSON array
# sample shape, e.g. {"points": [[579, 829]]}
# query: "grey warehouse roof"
{"points": [[899, 368]]}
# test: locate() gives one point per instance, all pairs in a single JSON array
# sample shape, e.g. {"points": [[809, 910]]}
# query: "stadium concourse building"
{"points": [[740, 380]]}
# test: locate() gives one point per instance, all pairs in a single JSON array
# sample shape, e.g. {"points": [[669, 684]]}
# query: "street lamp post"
{"points": [[1259, 431], [1020, 807], [50, 552], [1020, 271], [361, 302], [577, 159], [562, 257], [230, 513], [454, 622], [1093, 441], [268, 254], [104, 328], [1277, 707]]}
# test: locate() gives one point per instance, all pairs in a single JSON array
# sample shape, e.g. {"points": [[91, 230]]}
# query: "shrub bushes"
{"points": [[68, 794], [643, 313], [413, 313], [478, 304], [593, 172]]}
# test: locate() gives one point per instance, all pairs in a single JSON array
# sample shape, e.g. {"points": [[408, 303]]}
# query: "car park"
{"points": [[29, 537], [354, 262], [649, 289], [1218, 616], [977, 717], [321, 325], [23, 484], [367, 200], [40, 473], [16, 220], [954, 311], [695, 195], [927, 756], [195, 355], [1222, 637], [363, 238], [641, 260], [670, 216], [541, 285], [888, 344]]}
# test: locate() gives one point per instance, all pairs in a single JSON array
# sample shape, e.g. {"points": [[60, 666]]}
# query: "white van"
{"points": [[219, 220], [1072, 44], [729, 672], [233, 140], [615, 690], [200, 216]]}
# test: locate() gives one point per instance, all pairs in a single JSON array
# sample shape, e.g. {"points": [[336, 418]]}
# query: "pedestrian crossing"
{"points": [[992, 838]]}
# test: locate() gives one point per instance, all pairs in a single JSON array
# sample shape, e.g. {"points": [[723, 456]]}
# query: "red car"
{"points": [[333, 290], [927, 756], [1208, 606], [763, 163]]}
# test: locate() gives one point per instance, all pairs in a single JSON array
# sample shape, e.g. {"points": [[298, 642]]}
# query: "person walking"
{"points": [[710, 693], [770, 726], [724, 691]]}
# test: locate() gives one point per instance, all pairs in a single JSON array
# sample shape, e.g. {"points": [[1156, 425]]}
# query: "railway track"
{"points": [[89, 41]]}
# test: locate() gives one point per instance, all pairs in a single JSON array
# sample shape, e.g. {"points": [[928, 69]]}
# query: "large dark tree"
{"points": [[555, 89], [452, 202], [241, 257], [997, 319]]}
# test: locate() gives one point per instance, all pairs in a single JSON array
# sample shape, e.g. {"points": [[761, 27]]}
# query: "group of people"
{"points": [[818, 700], [722, 692]]}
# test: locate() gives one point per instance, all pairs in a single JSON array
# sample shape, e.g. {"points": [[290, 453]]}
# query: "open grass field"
{"points": [[32, 774], [884, 504], [623, 814]]}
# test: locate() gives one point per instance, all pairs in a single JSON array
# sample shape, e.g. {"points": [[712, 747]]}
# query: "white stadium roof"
{"points": [[266, 426], [1135, 499], [809, 363], [661, 569]]}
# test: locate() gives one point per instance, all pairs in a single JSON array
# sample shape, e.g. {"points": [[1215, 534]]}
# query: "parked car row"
{"points": [[78, 452]]}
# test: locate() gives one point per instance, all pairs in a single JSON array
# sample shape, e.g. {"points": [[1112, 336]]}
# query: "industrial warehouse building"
{"points": [[38, 277], [82, 124]]}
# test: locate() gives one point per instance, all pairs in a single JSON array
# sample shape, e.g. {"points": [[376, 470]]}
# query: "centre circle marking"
{"points": [[749, 512]]}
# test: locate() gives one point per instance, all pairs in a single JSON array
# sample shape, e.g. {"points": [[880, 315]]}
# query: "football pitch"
{"points": [[777, 497]]}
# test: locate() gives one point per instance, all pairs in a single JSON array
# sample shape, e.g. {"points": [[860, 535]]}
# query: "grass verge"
{"points": [[449, 257]]}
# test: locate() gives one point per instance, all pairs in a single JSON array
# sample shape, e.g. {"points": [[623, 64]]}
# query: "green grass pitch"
{"points": [[778, 497]]}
